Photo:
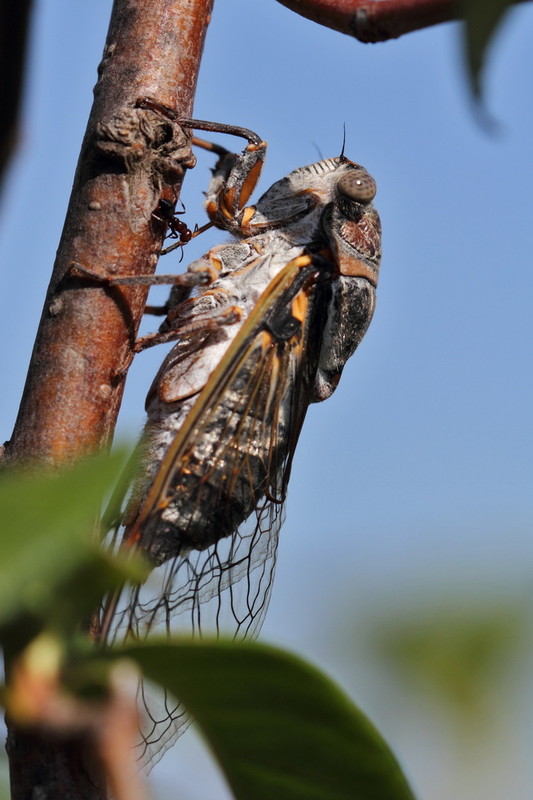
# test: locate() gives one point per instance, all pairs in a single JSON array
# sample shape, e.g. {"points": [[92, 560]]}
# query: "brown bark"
{"points": [[378, 20], [130, 158], [48, 766]]}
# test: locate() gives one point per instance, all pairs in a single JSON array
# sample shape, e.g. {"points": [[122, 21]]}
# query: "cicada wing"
{"points": [[211, 524]]}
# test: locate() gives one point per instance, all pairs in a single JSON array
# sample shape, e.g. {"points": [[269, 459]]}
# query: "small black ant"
{"points": [[166, 215]]}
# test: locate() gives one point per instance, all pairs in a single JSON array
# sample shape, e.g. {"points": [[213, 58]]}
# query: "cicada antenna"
{"points": [[319, 151], [343, 140]]}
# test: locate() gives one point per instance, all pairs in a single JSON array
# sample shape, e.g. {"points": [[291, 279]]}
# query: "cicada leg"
{"points": [[202, 276], [234, 178], [235, 175], [187, 325], [200, 273]]}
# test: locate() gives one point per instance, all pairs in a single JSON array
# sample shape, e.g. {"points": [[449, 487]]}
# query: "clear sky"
{"points": [[415, 478]]}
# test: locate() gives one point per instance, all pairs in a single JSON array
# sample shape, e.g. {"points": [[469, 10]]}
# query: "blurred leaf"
{"points": [[482, 18], [113, 510], [458, 654], [52, 567], [278, 727], [84, 587]]}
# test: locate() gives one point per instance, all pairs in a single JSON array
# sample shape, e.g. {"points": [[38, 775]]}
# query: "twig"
{"points": [[377, 20], [130, 159]]}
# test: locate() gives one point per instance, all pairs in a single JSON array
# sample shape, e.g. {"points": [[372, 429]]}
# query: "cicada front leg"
{"points": [[235, 175], [234, 179]]}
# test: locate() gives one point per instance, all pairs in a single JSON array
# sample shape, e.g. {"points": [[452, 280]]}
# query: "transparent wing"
{"points": [[211, 521]]}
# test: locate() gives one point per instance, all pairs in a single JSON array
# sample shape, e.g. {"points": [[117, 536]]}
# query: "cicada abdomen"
{"points": [[286, 305]]}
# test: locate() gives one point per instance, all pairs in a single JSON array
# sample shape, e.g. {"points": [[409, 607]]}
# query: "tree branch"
{"points": [[377, 20], [130, 159]]}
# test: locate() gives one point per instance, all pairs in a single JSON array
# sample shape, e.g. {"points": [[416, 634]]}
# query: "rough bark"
{"points": [[130, 158]]}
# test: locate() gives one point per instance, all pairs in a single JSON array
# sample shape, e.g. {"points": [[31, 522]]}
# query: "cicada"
{"points": [[276, 313]]}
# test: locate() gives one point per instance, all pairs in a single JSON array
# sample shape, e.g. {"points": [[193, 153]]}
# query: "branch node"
{"points": [[134, 134], [367, 30]]}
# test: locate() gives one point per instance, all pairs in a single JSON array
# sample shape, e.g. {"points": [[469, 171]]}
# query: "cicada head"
{"points": [[351, 224], [332, 194]]}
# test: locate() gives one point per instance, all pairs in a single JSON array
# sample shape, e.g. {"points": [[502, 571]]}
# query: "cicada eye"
{"points": [[358, 185]]}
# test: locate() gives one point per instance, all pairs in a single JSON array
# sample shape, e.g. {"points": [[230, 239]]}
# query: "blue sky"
{"points": [[415, 478]]}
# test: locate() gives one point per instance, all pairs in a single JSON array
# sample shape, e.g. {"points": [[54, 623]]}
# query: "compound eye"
{"points": [[358, 185]]}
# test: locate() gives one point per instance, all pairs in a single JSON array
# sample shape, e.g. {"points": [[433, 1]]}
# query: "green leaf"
{"points": [[49, 548], [462, 654], [278, 727], [482, 18]]}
